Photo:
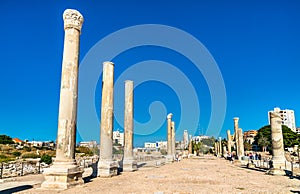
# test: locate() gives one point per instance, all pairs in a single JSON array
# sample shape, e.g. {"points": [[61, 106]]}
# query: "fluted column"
{"points": [[64, 170], [106, 166], [129, 164], [278, 157]]}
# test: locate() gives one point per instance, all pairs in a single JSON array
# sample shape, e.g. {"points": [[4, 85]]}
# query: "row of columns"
{"points": [[278, 156], [64, 172]]}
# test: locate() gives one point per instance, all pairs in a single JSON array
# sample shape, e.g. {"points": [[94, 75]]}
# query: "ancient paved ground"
{"points": [[206, 175]]}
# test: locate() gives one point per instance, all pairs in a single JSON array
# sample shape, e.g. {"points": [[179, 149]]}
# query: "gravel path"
{"points": [[201, 175]]}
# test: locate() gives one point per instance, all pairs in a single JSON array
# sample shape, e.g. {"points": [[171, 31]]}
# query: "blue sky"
{"points": [[255, 45]]}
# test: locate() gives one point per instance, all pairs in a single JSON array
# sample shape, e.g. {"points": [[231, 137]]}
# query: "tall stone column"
{"points": [[216, 148], [235, 136], [278, 157], [229, 141], [173, 139], [240, 143], [220, 146], [65, 173], [106, 166], [129, 164], [190, 145], [224, 151], [170, 157]]}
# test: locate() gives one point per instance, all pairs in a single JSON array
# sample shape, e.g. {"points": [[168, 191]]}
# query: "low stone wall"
{"points": [[21, 168]]}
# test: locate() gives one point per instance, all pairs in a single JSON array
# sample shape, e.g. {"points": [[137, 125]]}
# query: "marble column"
{"points": [[216, 148], [190, 145], [235, 136], [278, 157], [240, 143], [170, 157], [106, 166], [129, 164], [229, 141], [224, 151], [65, 173], [173, 139], [220, 146]]}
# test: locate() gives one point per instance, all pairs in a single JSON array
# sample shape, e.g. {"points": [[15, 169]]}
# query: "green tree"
{"points": [[247, 145], [264, 139], [4, 139]]}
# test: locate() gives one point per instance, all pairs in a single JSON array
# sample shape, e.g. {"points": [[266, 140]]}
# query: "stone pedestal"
{"points": [[170, 156], [106, 166], [278, 157], [65, 173], [129, 164], [62, 176]]}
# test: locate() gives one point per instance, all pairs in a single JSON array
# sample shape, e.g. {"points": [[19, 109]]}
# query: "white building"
{"points": [[287, 117], [156, 145], [149, 145], [118, 137], [89, 144]]}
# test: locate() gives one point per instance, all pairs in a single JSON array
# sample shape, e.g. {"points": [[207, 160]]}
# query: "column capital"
{"points": [[169, 116], [72, 19], [274, 115], [236, 118]]}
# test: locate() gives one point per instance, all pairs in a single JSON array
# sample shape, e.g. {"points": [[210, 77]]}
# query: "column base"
{"points": [[62, 175], [169, 158], [107, 168], [276, 172], [129, 165]]}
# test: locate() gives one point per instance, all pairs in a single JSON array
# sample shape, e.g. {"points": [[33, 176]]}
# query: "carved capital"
{"points": [[169, 116], [72, 19], [274, 115]]}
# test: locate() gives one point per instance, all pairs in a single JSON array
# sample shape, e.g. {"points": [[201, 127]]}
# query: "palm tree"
{"points": [[263, 142]]}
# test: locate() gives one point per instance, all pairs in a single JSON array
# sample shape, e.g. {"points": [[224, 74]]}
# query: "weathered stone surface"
{"points": [[65, 173], [240, 143], [229, 140], [170, 156], [106, 166], [129, 164], [173, 139], [236, 127], [278, 158]]}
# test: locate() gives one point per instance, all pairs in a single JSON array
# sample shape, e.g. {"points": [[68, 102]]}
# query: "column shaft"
{"points": [[107, 106], [229, 141], [173, 139], [128, 119]]}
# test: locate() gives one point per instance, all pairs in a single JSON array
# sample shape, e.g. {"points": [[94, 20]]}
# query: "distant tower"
{"points": [[185, 139]]}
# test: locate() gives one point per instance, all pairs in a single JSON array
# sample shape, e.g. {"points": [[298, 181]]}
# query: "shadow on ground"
{"points": [[16, 189]]}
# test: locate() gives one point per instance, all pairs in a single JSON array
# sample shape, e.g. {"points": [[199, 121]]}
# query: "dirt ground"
{"points": [[202, 175]]}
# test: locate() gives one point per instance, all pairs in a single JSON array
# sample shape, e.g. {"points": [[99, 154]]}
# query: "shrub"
{"points": [[16, 154], [30, 155], [46, 158]]}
